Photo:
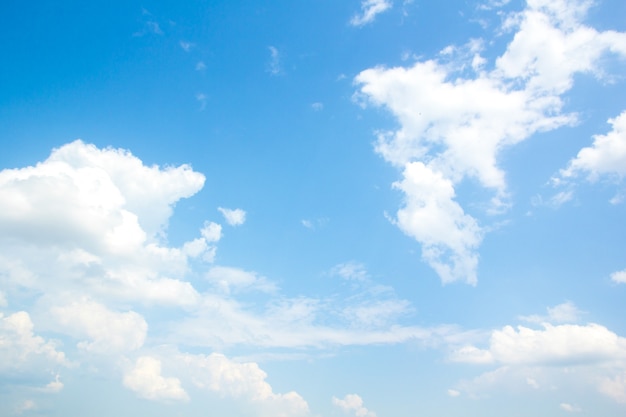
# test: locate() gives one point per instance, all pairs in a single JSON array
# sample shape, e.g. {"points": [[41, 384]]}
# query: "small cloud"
{"points": [[314, 223], [531, 382], [234, 217], [317, 106], [27, 405], [212, 232], [453, 393], [187, 46], [54, 386], [570, 408], [353, 404], [201, 98], [352, 271], [200, 66], [369, 10], [563, 313], [274, 64], [619, 277]]}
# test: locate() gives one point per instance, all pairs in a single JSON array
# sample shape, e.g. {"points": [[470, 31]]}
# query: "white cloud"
{"points": [[146, 381], [619, 277], [187, 46], [607, 155], [200, 66], [21, 349], [456, 116], [109, 332], [615, 388], [449, 237], [369, 10], [317, 106], [212, 232], [350, 271], [234, 217], [565, 344], [563, 313], [217, 373], [453, 393], [570, 408], [54, 386], [353, 404], [26, 405], [274, 66], [202, 99], [229, 279]]}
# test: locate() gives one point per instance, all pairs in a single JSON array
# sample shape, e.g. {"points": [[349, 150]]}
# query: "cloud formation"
{"points": [[456, 114], [369, 10]]}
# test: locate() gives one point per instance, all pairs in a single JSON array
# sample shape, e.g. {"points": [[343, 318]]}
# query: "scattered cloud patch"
{"points": [[202, 99], [570, 408], [200, 66], [146, 381], [317, 106], [562, 313], [456, 115], [605, 158], [229, 279], [619, 277], [217, 373], [186, 46], [234, 217], [274, 66], [352, 404], [369, 10]]}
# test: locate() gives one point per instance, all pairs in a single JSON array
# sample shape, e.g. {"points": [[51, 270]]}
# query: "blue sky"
{"points": [[314, 208]]}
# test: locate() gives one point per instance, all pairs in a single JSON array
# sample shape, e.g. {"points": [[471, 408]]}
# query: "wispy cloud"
{"points": [[274, 65], [369, 10]]}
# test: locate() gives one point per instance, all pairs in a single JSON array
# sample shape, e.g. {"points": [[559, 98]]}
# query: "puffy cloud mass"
{"points": [[146, 380], [606, 156], [234, 217], [217, 373], [89, 219], [558, 345], [456, 114], [353, 404]]}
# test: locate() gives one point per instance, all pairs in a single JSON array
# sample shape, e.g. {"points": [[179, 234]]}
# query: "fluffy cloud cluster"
{"points": [[146, 380], [456, 114], [21, 348], [541, 357], [217, 373], [353, 404], [87, 219], [605, 157]]}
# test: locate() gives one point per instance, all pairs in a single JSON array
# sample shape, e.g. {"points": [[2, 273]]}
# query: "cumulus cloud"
{"points": [[146, 381], [456, 115], [107, 331], [234, 217], [605, 157], [89, 218], [369, 10], [619, 277], [353, 404], [563, 313], [217, 373], [20, 348], [565, 344], [615, 388]]}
